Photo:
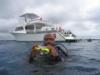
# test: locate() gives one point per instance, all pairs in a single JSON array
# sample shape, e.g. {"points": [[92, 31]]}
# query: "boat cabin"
{"points": [[31, 23]]}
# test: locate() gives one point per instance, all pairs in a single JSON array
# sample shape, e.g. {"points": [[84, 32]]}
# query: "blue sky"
{"points": [[80, 16]]}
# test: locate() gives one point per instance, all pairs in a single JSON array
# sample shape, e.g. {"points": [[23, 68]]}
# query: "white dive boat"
{"points": [[33, 28]]}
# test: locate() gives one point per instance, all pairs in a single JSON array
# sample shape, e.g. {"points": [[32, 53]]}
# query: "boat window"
{"points": [[29, 27], [39, 25], [53, 28], [19, 28]]}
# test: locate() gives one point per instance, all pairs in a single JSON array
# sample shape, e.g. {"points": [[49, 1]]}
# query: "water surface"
{"points": [[84, 59]]}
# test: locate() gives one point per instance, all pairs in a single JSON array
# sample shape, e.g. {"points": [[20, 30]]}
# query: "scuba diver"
{"points": [[52, 51]]}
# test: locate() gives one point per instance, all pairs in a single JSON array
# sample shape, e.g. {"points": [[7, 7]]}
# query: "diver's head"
{"points": [[49, 39]]}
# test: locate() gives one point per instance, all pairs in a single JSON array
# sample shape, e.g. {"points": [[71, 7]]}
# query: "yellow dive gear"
{"points": [[42, 49], [45, 50]]}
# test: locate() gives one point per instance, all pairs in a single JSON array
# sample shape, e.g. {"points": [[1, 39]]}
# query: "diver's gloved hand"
{"points": [[36, 47]]}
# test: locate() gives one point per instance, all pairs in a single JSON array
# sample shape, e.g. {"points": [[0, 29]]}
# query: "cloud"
{"points": [[7, 25], [80, 16]]}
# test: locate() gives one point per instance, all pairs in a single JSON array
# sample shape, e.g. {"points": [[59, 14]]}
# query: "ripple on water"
{"points": [[4, 71], [83, 60]]}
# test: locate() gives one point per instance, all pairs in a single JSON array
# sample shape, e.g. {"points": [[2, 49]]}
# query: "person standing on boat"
{"points": [[49, 42]]}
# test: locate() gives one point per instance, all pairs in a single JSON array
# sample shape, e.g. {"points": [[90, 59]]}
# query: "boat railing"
{"points": [[42, 31], [34, 20]]}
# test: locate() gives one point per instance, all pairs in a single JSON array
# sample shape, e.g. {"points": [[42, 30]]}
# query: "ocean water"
{"points": [[83, 59]]}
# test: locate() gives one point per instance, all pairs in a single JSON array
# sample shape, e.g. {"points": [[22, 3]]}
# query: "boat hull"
{"points": [[35, 36]]}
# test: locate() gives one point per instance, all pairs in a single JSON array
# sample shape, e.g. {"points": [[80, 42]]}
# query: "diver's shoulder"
{"points": [[62, 48]]}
